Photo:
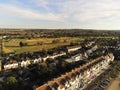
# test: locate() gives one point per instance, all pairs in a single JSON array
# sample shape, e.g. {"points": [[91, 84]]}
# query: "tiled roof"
{"points": [[70, 47], [11, 61], [110, 55], [62, 86], [44, 87], [60, 81], [55, 85], [57, 80]]}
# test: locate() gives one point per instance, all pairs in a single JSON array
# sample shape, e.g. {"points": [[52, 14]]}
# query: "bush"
{"points": [[21, 44]]}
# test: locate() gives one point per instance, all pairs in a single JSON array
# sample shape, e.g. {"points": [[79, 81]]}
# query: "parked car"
{"points": [[98, 88], [106, 81], [104, 84]]}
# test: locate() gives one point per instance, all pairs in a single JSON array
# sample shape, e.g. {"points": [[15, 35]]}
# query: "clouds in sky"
{"points": [[100, 14], [27, 13]]}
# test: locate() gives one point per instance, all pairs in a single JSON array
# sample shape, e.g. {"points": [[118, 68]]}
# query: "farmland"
{"points": [[36, 40], [37, 44]]}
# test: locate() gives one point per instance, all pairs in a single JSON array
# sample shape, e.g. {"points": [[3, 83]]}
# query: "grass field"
{"points": [[13, 45]]}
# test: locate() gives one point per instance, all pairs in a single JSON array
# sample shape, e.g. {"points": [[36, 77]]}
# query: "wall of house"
{"points": [[82, 79]]}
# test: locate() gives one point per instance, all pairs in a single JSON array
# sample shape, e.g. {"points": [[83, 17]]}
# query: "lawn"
{"points": [[13, 45]]}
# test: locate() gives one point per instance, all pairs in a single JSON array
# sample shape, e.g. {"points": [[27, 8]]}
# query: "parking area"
{"points": [[107, 80]]}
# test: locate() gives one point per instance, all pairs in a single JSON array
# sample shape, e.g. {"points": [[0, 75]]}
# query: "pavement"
{"points": [[115, 84]]}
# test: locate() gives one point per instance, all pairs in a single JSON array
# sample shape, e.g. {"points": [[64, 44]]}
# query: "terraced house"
{"points": [[11, 64], [80, 77], [73, 48]]}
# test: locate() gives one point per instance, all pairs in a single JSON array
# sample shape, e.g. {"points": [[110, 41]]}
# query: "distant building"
{"points": [[4, 37], [0, 65], [89, 51], [37, 60], [77, 57], [54, 56], [11, 64], [25, 63], [57, 55], [73, 48], [89, 43]]}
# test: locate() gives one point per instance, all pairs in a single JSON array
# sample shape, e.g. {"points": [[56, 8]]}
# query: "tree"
{"points": [[43, 52], [55, 41], [40, 43], [50, 60], [21, 44], [1, 86], [11, 80], [11, 83]]}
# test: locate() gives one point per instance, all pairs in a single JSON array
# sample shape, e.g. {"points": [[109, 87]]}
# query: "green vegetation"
{"points": [[38, 39], [11, 80], [32, 45], [49, 42], [11, 83]]}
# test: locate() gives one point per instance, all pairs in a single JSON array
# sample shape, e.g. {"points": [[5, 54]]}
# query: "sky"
{"points": [[60, 14]]}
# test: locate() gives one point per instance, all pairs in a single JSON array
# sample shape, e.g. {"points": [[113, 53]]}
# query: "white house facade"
{"points": [[80, 77]]}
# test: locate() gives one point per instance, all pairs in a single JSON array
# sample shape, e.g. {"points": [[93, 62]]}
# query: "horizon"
{"points": [[59, 29], [60, 14]]}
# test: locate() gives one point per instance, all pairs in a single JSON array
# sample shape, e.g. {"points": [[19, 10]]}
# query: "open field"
{"points": [[7, 50], [32, 44]]}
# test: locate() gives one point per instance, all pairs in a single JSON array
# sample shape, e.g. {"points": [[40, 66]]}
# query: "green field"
{"points": [[32, 44]]}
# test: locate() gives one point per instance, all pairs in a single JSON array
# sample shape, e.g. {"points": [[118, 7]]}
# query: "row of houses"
{"points": [[14, 64], [54, 56], [73, 48], [89, 51], [11, 64], [25, 63], [80, 77], [88, 44], [82, 56], [77, 57]]}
